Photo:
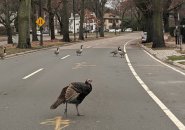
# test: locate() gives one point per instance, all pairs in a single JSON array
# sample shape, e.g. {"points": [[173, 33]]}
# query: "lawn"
{"points": [[175, 58]]}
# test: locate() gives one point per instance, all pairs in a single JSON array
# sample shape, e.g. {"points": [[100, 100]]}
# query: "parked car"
{"points": [[92, 31], [38, 33], [113, 30], [118, 30], [144, 37], [128, 30], [106, 30]]}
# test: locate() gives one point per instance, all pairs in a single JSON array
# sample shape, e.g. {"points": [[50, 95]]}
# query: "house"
{"points": [[88, 25], [109, 20], [90, 21], [76, 21]]}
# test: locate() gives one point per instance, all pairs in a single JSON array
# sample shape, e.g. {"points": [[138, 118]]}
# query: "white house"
{"points": [[77, 23]]}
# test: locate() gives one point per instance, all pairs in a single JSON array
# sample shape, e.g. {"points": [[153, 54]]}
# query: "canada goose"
{"points": [[115, 52], [79, 51], [3, 54], [121, 52], [56, 52]]}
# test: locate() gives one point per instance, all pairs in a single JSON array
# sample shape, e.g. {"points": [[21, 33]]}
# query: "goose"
{"points": [[56, 52], [115, 52], [79, 51], [3, 54], [74, 93], [121, 52]]}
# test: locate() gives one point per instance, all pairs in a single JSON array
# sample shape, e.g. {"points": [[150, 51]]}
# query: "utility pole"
{"points": [[74, 20], [41, 28]]}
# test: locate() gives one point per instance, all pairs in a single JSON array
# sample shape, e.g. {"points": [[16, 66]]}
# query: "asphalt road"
{"points": [[30, 83]]}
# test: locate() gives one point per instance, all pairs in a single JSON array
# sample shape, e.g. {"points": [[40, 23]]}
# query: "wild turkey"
{"points": [[3, 54], [79, 51], [73, 94], [56, 52]]}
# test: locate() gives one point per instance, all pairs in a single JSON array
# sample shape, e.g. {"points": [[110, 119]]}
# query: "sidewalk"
{"points": [[171, 50]]}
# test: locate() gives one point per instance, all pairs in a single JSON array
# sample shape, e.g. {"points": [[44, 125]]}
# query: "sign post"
{"points": [[40, 22]]}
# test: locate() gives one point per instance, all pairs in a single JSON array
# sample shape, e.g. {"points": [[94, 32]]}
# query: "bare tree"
{"points": [[158, 36], [101, 10], [51, 19], [81, 32], [33, 19], [8, 13], [24, 27], [145, 7], [166, 5], [65, 21], [152, 11]]}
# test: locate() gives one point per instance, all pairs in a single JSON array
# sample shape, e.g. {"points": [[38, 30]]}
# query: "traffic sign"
{"points": [[40, 21]]}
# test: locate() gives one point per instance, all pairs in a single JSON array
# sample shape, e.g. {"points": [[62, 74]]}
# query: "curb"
{"points": [[166, 61], [27, 52]]}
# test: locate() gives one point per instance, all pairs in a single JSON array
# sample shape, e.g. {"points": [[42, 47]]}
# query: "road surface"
{"points": [[30, 83]]}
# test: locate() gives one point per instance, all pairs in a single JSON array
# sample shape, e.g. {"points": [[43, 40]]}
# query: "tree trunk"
{"points": [[52, 25], [148, 27], [24, 27], [60, 23], [102, 6], [9, 34], [166, 21], [81, 32], [51, 21], [65, 22], [166, 5], [122, 20], [158, 36], [101, 27], [61, 28], [34, 18], [7, 20], [176, 17]]}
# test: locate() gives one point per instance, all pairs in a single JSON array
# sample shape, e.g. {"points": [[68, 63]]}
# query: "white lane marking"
{"points": [[167, 111], [33, 73], [89, 47], [165, 64], [65, 57]]}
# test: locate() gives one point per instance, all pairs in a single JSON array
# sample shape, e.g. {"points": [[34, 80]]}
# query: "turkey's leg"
{"points": [[66, 110], [78, 114]]}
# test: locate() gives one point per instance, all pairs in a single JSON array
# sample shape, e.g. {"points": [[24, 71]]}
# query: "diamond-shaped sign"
{"points": [[40, 21]]}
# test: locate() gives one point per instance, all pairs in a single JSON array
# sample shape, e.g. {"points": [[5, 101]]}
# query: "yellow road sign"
{"points": [[40, 21]]}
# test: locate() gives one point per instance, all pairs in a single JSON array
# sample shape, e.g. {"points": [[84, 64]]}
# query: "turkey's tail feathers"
{"points": [[60, 100], [56, 103]]}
